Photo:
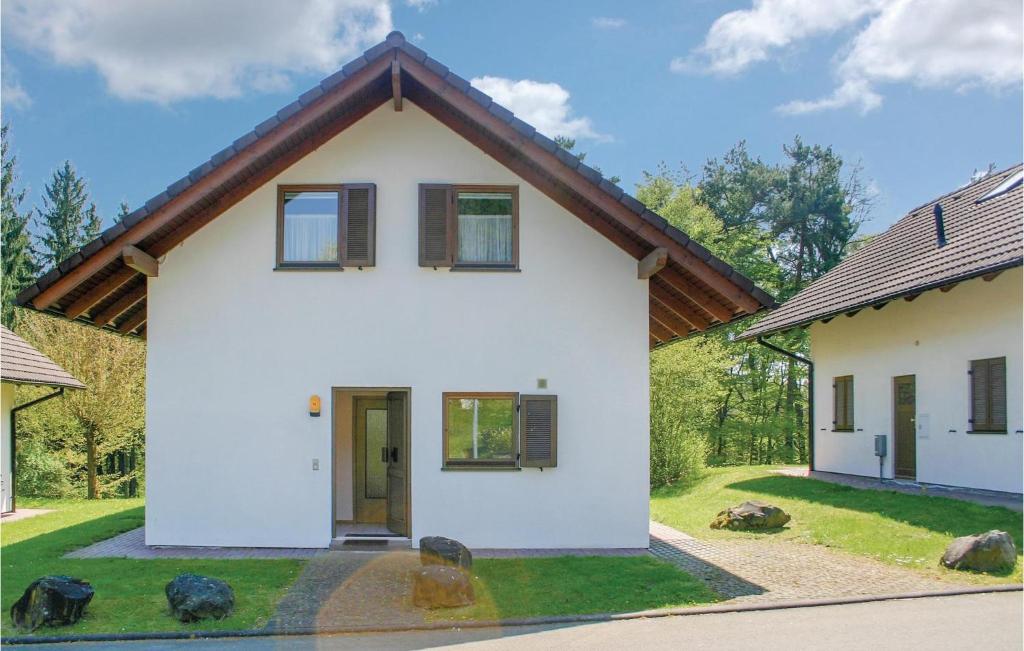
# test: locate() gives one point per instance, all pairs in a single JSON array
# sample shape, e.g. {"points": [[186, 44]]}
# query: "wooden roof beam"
{"points": [[133, 322], [396, 83], [99, 292], [652, 263], [660, 331], [684, 286], [684, 311], [120, 306], [140, 261], [671, 319]]}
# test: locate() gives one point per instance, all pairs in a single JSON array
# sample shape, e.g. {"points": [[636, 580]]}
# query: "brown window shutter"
{"points": [[436, 225], [842, 403], [997, 393], [979, 395], [988, 395], [849, 402], [359, 224], [538, 431]]}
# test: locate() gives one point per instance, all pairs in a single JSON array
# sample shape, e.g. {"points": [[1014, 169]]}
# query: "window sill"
{"points": [[848, 431], [982, 431], [485, 269], [480, 468], [309, 267]]}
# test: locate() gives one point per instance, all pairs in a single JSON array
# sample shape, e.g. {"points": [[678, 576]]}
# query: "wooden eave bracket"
{"points": [[396, 83], [652, 263], [140, 261]]}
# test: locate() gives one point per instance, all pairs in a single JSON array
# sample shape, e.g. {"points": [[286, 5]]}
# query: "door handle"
{"points": [[384, 455], [394, 455]]}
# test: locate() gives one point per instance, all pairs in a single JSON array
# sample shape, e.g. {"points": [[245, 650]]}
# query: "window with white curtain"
{"points": [[309, 227], [486, 228]]}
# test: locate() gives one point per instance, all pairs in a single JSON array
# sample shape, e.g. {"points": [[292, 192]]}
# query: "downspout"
{"points": [[14, 438], [810, 394]]}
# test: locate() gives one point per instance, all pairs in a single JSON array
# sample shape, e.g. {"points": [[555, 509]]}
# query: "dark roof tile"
{"points": [[223, 156], [457, 81], [178, 186], [612, 189], [69, 262], [113, 232], [201, 171], [655, 219], [158, 201], [135, 217], [436, 67], [265, 127], [480, 97], [289, 110], [567, 157], [311, 95], [500, 112], [378, 50], [525, 129], [632, 203], [354, 66], [545, 143], [23, 364], [333, 80], [413, 51]]}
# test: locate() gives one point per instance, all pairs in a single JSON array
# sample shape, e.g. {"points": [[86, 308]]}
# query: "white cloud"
{"points": [[545, 105], [168, 51], [12, 93], [928, 43], [606, 22], [421, 5]]}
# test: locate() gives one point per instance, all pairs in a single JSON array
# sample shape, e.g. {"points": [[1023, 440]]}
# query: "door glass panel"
{"points": [[376, 441]]}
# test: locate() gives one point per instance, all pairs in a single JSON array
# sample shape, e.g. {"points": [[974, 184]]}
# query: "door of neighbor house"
{"points": [[370, 480], [905, 426], [397, 463]]}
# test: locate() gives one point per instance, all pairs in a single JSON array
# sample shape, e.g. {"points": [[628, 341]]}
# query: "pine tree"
{"points": [[65, 221], [18, 264], [122, 211]]}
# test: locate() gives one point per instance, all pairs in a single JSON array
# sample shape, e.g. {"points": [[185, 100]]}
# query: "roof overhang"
{"points": [[692, 292]]}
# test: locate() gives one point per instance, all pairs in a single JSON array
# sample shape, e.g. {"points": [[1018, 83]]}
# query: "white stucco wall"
{"points": [[6, 451], [235, 349], [934, 338]]}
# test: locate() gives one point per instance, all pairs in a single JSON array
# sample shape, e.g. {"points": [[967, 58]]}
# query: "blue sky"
{"points": [[919, 92]]}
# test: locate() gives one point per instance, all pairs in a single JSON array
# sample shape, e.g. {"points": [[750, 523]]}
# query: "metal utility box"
{"points": [[881, 445]]}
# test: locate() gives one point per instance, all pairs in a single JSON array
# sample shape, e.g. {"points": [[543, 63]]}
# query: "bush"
{"points": [[41, 473]]}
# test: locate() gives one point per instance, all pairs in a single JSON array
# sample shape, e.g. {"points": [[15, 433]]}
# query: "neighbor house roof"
{"points": [[983, 232], [693, 292], [20, 363]]}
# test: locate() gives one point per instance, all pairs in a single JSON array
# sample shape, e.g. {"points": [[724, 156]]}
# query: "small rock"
{"points": [[438, 550], [985, 552], [53, 601], [751, 516], [441, 586], [193, 597]]}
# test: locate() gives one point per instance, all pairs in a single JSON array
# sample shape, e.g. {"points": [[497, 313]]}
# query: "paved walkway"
{"points": [[1012, 501], [23, 514], [759, 571], [132, 544]]}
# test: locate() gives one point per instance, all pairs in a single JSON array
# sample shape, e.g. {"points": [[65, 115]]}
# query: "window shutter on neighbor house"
{"points": [[436, 224], [359, 224], [988, 395], [842, 405], [538, 431]]}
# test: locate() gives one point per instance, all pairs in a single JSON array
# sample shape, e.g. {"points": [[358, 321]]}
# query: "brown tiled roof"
{"points": [[697, 289], [20, 363], [983, 235]]}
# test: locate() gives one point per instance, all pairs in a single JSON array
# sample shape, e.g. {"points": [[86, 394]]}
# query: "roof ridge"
{"points": [[988, 177]]}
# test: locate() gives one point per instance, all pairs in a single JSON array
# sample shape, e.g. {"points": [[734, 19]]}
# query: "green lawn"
{"points": [[129, 593], [897, 528], [536, 587]]}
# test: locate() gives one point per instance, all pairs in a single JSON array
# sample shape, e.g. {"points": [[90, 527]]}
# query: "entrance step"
{"points": [[370, 543]]}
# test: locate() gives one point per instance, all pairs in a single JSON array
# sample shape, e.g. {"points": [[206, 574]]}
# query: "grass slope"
{"points": [[897, 528], [129, 593]]}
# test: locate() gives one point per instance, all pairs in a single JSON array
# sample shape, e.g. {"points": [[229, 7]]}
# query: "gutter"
{"points": [[14, 438], [810, 393]]}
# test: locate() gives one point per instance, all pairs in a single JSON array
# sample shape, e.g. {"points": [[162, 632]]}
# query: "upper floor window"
{"points": [[469, 226], [326, 226], [988, 395]]}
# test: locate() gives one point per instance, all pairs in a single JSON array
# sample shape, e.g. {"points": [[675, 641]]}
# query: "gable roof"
{"points": [[20, 363], [984, 235], [693, 292]]}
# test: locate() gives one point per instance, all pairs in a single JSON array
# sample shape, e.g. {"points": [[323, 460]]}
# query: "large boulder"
{"points": [[193, 597], [441, 586], [438, 550], [53, 601], [751, 516], [985, 552]]}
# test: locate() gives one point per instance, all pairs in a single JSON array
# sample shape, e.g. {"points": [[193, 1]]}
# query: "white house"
{"points": [[394, 309], [917, 337], [20, 363]]}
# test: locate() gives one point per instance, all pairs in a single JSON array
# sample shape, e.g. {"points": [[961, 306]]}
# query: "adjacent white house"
{"points": [[20, 363], [395, 310], [918, 337]]}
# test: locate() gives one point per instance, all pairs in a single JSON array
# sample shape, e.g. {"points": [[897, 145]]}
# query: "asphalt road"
{"points": [[992, 621]]}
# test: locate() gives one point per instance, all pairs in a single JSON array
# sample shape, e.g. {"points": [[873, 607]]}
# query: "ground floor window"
{"points": [[988, 395], [480, 430]]}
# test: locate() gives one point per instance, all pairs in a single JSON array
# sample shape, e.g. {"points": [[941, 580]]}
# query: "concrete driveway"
{"points": [[993, 621]]}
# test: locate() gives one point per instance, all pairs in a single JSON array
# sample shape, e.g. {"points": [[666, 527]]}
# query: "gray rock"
{"points": [[193, 597], [441, 586], [985, 552], [751, 516], [438, 550], [53, 601]]}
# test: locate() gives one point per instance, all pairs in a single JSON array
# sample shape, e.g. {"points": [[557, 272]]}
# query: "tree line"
{"points": [[88, 443]]}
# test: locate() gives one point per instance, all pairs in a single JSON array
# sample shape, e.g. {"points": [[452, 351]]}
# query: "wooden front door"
{"points": [[905, 426], [370, 479], [398, 464]]}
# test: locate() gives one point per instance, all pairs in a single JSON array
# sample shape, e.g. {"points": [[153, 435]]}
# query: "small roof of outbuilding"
{"points": [[20, 363], [984, 235]]}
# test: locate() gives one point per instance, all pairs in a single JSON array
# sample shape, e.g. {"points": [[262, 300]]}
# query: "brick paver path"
{"points": [[753, 570]]}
